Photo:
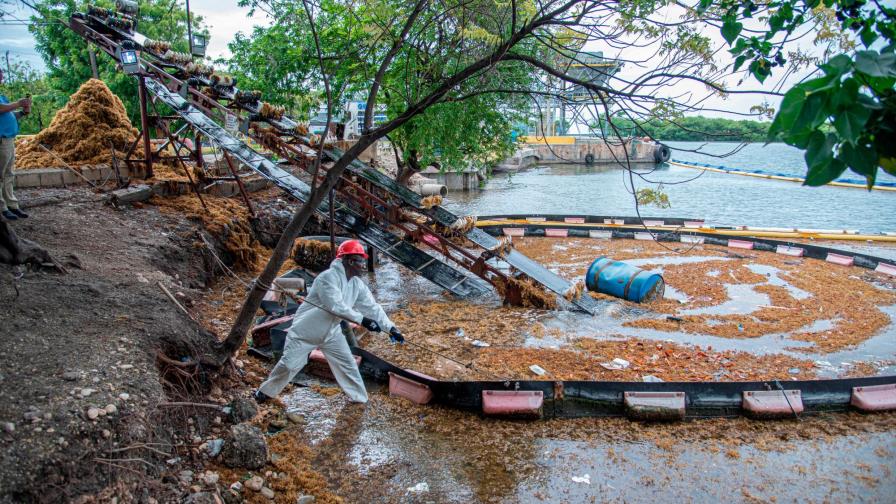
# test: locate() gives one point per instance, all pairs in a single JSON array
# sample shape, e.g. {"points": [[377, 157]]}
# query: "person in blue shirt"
{"points": [[9, 128]]}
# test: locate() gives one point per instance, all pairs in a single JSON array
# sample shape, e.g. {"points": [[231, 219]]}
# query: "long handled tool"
{"points": [[468, 365]]}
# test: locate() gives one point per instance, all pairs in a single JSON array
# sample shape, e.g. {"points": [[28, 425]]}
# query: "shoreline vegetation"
{"points": [[701, 129]]}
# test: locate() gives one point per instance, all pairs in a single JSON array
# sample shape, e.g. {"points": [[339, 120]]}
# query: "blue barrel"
{"points": [[624, 281]]}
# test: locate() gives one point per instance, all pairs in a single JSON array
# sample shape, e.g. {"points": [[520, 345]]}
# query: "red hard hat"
{"points": [[351, 247]]}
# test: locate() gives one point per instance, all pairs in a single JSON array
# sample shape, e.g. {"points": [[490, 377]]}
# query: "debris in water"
{"points": [[616, 365], [575, 291], [537, 370], [419, 487], [585, 478], [480, 344], [651, 379]]}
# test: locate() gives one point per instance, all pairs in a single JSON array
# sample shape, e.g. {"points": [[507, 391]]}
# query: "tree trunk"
{"points": [[407, 170]]}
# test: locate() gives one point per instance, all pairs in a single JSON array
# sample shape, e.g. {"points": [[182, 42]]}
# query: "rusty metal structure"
{"points": [[179, 97]]}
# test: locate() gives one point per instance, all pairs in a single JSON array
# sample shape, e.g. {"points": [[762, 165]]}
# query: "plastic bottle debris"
{"points": [[616, 364], [535, 368], [480, 344], [651, 379], [585, 478], [419, 487], [460, 333], [794, 371]]}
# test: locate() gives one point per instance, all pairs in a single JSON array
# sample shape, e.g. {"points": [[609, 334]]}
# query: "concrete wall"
{"points": [[639, 152]]}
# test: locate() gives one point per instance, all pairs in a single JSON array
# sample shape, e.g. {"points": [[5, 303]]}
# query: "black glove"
{"points": [[396, 336], [370, 325]]}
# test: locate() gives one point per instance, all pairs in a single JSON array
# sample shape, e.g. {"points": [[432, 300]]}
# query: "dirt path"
{"points": [[89, 339]]}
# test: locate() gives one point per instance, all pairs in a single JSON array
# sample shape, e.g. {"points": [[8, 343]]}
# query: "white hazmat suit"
{"points": [[315, 328]]}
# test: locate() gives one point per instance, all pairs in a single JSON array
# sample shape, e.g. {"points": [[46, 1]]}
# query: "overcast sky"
{"points": [[225, 18]]}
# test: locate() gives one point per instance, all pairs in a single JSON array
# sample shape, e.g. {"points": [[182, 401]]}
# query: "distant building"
{"points": [[352, 117]]}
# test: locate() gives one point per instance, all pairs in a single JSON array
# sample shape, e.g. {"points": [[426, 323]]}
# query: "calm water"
{"points": [[720, 199]]}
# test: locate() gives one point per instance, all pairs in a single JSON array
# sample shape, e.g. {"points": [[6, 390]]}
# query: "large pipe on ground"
{"points": [[432, 190]]}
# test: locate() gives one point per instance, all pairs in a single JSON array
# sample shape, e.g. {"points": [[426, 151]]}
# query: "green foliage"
{"points": [[845, 117], [66, 54], [655, 197], [281, 61], [699, 129], [22, 80]]}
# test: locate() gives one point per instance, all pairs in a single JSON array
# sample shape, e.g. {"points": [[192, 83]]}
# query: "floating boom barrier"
{"points": [[665, 401], [851, 183], [596, 226]]}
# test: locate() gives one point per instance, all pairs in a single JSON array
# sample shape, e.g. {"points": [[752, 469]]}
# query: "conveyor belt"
{"points": [[530, 268], [401, 251]]}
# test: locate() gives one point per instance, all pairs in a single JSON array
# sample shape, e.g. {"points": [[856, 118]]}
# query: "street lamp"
{"points": [[198, 45]]}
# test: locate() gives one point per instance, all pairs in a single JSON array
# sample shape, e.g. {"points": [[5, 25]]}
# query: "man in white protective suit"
{"points": [[337, 294]]}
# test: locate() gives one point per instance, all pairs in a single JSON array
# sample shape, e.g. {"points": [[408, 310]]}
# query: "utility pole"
{"points": [[189, 30], [8, 71]]}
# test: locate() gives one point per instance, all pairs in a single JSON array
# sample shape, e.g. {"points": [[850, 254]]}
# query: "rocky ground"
{"points": [[102, 391]]}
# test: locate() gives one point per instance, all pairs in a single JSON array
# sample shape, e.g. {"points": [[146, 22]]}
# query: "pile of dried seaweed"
{"points": [[82, 132], [312, 254]]}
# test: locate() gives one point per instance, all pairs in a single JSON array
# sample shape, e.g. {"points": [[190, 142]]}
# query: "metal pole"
{"points": [[189, 30], [92, 54], [239, 183], [144, 124]]}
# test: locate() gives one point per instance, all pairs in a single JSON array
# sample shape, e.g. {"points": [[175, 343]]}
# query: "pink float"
{"points": [[515, 403], [874, 398]]}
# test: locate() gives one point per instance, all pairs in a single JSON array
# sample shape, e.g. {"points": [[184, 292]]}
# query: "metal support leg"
{"points": [[239, 183], [198, 146], [144, 124]]}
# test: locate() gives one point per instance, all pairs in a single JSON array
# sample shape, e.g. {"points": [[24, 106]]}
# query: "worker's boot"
{"points": [[260, 397]]}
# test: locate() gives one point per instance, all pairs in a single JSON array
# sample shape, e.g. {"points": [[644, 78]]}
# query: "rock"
{"points": [[295, 418], [186, 476], [305, 499], [267, 492], [210, 477], [9, 427], [86, 392], [107, 433], [245, 447], [111, 409], [126, 366], [124, 396], [33, 416], [71, 375], [202, 498], [213, 447], [242, 409], [93, 413], [255, 483], [231, 497]]}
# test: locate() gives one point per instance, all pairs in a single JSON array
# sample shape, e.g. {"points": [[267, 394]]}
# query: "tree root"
{"points": [[15, 250]]}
